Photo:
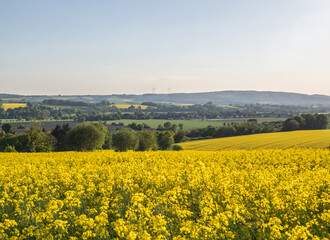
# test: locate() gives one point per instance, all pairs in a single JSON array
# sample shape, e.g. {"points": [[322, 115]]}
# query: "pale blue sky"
{"points": [[106, 47]]}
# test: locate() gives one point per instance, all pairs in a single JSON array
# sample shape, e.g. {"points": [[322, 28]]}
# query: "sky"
{"points": [[134, 47]]}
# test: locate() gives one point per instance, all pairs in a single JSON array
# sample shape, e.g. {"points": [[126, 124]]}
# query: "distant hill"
{"points": [[221, 97], [238, 97]]}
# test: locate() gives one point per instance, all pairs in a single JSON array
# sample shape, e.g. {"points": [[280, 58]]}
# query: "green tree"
{"points": [[301, 121], [165, 140], [268, 129], [310, 120], [167, 125], [38, 140], [10, 149], [290, 125], [108, 141], [147, 141], [86, 137], [210, 131], [160, 127], [125, 139], [174, 128], [7, 128], [59, 133], [180, 136], [177, 148], [322, 121]]}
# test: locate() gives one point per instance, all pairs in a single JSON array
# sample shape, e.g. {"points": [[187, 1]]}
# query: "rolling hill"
{"points": [[279, 140], [220, 97]]}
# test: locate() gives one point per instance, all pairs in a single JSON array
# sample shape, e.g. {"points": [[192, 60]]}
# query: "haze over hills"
{"points": [[220, 97]]}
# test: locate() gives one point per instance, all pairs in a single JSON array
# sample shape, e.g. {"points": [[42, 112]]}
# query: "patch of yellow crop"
{"points": [[125, 106], [7, 106], [279, 140], [231, 194]]}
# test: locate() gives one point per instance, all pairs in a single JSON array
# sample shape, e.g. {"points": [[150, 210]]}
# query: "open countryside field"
{"points": [[153, 123], [280, 140], [126, 106], [190, 124], [259, 120], [7, 106], [233, 194]]}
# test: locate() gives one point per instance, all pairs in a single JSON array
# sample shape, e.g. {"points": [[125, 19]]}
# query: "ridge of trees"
{"points": [[91, 136]]}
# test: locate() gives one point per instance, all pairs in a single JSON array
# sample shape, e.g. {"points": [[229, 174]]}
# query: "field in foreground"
{"points": [[258, 194], [280, 140]]}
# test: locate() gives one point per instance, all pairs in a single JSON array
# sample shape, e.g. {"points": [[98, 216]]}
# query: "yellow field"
{"points": [[125, 106], [6, 106], [231, 194], [280, 140]]}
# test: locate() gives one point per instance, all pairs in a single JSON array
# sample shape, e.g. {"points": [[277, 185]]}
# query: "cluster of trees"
{"points": [[234, 129], [306, 121], [33, 139], [241, 108], [59, 102], [85, 137]]}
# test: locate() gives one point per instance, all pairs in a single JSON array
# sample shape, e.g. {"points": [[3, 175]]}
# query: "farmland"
{"points": [[232, 194], [126, 106], [280, 140], [7, 106], [189, 124]]}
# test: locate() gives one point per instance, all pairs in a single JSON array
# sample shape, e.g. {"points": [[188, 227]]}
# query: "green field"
{"points": [[280, 140], [190, 124]]}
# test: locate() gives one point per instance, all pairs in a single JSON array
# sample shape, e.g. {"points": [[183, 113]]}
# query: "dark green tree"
{"points": [[301, 121], [290, 125], [210, 131], [7, 128], [160, 127], [86, 137], [38, 140], [108, 141], [59, 133], [147, 141], [167, 125], [174, 128], [125, 139], [177, 148], [322, 121], [180, 136], [310, 120], [165, 140]]}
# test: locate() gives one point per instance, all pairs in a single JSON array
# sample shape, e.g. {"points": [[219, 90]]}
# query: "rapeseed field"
{"points": [[7, 106], [258, 194], [279, 140]]}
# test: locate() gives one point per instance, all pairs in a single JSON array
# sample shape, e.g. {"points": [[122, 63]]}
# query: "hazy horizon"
{"points": [[107, 47], [251, 90]]}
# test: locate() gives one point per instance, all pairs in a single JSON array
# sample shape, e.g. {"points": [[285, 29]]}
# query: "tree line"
{"points": [[86, 136], [91, 136], [306, 122]]}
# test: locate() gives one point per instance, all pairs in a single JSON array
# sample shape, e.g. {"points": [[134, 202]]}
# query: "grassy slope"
{"points": [[281, 140]]}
